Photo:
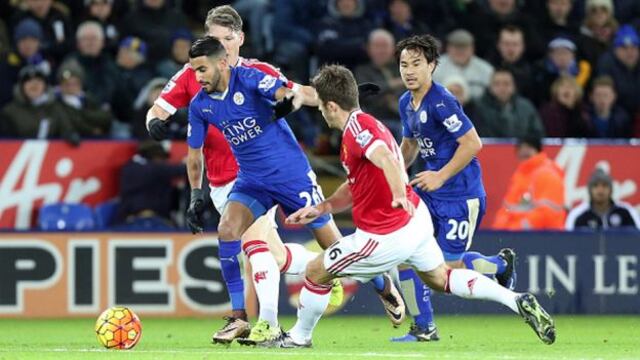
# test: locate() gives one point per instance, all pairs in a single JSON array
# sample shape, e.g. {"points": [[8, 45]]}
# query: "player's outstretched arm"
{"points": [[384, 159], [339, 201], [409, 148]]}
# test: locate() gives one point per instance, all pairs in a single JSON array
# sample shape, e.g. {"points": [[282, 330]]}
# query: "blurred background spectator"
{"points": [[510, 54], [601, 211], [535, 196], [460, 59], [401, 21], [597, 31], [607, 119], [565, 115], [101, 11], [501, 112], [180, 44], [34, 112], [147, 194]]}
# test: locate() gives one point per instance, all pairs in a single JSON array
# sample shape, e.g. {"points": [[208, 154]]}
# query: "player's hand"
{"points": [[158, 129], [404, 203], [194, 212], [304, 216], [428, 180]]}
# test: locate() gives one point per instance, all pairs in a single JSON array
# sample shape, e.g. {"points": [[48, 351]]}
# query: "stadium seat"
{"points": [[66, 217], [105, 213]]}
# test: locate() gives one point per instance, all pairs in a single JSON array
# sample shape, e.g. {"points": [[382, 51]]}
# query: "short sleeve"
{"points": [[450, 114], [266, 85], [197, 127], [175, 94]]}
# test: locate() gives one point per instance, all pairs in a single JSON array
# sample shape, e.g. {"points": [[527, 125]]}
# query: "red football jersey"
{"points": [[183, 86], [372, 211]]}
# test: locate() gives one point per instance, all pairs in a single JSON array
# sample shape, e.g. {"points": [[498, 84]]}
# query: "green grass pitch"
{"points": [[350, 338]]}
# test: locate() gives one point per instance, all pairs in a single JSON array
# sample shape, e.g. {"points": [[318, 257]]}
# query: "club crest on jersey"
{"points": [[423, 116], [238, 98], [364, 138], [452, 123], [267, 82]]}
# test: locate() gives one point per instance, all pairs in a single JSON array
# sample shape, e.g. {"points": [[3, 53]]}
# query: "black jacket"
{"points": [[621, 215]]}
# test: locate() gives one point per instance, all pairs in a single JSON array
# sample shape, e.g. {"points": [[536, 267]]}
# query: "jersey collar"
{"points": [[222, 95], [352, 117]]}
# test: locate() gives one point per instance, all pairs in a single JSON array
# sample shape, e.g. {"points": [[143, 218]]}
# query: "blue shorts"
{"points": [[454, 223], [293, 195]]}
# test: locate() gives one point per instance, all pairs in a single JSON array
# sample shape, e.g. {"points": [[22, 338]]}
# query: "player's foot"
{"points": [[508, 277], [337, 293], [287, 342], [233, 329], [537, 318], [262, 334], [416, 334], [392, 301]]}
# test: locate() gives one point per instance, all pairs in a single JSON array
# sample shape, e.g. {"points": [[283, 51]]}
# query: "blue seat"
{"points": [[105, 213], [66, 217]]}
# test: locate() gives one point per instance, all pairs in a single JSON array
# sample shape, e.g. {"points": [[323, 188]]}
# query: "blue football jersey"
{"points": [[265, 149], [436, 125]]}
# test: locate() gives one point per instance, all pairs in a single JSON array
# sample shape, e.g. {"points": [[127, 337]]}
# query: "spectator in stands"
{"points": [[145, 186], [601, 211], [565, 115], [56, 25], [28, 37], [133, 75], [561, 60], [510, 55], [254, 12], [597, 31], [292, 27], [535, 197], [342, 35], [89, 119], [460, 59], [622, 64], [154, 21], [101, 11], [501, 112], [34, 113], [486, 22], [401, 22], [557, 22], [4, 38], [180, 44], [382, 70], [99, 68], [607, 119], [459, 87]]}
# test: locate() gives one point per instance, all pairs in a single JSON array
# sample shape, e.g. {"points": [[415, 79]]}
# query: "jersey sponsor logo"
{"points": [[364, 138], [238, 98], [168, 87], [241, 131], [426, 146], [452, 123], [423, 116], [267, 82]]}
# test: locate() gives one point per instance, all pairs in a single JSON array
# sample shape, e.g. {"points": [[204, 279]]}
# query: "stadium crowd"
{"points": [[87, 69]]}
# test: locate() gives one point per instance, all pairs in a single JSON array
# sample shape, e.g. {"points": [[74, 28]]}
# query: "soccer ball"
{"points": [[118, 328]]}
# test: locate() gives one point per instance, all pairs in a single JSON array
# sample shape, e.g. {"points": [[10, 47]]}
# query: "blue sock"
{"points": [[378, 282], [228, 253], [487, 265], [417, 296]]}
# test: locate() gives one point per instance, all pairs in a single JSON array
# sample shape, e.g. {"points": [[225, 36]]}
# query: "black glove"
{"points": [[158, 129], [194, 213], [283, 108], [367, 89]]}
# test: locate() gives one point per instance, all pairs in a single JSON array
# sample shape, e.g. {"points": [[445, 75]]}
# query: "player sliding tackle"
{"points": [[393, 225], [238, 101]]}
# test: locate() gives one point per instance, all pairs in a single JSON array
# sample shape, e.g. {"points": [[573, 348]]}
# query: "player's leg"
{"points": [[429, 262]]}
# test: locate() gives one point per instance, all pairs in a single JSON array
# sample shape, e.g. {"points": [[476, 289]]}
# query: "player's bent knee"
{"points": [[228, 231], [436, 279], [316, 272]]}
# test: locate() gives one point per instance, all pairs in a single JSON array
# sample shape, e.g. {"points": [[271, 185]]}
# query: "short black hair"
{"points": [[531, 140], [206, 46], [426, 44]]}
